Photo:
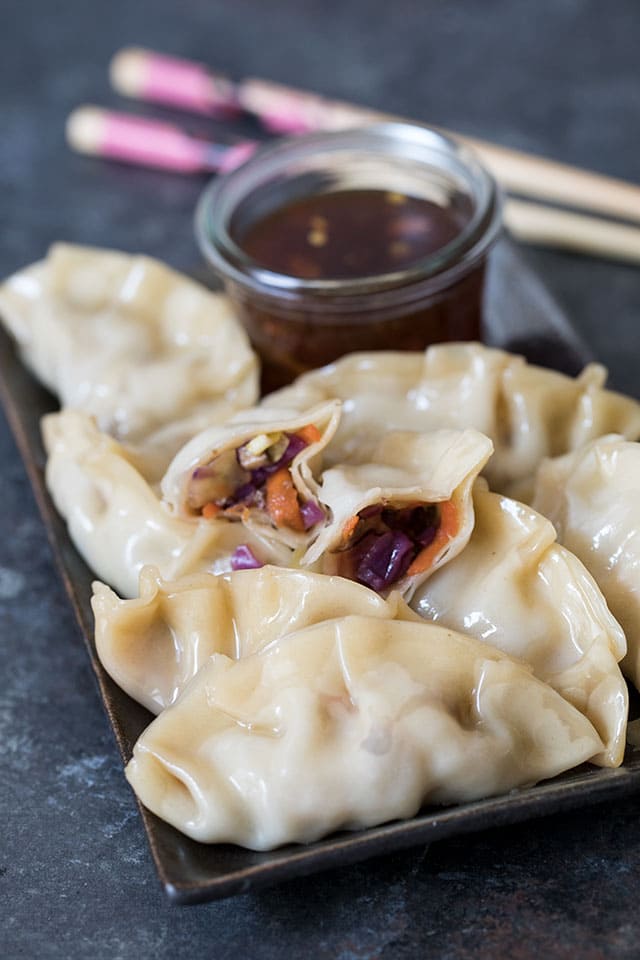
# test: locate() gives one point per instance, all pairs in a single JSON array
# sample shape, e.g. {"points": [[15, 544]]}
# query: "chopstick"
{"points": [[149, 143], [549, 227], [516, 171], [149, 76], [542, 179], [157, 144]]}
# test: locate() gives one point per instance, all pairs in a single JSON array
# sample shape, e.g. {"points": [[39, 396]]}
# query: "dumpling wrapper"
{"points": [[348, 724], [514, 587], [131, 341], [153, 454], [432, 472], [115, 518], [529, 412], [592, 497], [154, 645], [208, 467]]}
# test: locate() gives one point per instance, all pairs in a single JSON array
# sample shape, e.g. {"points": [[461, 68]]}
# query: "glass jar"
{"points": [[299, 322]]}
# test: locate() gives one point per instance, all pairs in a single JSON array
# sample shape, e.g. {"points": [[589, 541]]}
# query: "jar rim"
{"points": [[386, 140]]}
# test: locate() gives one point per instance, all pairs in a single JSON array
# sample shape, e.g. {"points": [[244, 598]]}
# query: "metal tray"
{"points": [[521, 316]]}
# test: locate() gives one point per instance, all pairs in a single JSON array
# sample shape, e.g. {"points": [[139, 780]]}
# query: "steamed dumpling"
{"points": [[131, 341], [347, 724], [115, 518], [514, 587], [592, 497], [397, 519], [529, 412], [153, 645]]}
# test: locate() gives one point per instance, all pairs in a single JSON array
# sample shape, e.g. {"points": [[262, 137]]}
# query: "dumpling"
{"points": [[153, 645], [592, 497], [129, 340], [347, 724], [258, 470], [397, 519], [514, 587], [116, 520], [529, 412]]}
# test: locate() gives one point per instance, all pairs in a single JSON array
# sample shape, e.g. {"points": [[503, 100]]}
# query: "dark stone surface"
{"points": [[559, 77]]}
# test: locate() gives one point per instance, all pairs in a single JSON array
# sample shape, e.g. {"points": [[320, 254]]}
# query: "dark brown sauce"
{"points": [[291, 341], [351, 233], [348, 235]]}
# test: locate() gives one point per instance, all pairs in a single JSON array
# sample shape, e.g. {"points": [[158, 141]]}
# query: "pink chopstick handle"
{"points": [[186, 85], [286, 110], [150, 143]]}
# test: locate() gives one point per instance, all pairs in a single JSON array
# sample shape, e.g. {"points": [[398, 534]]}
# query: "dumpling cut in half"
{"points": [[517, 589], [395, 520], [256, 470], [117, 521], [154, 645], [592, 497], [347, 724]]}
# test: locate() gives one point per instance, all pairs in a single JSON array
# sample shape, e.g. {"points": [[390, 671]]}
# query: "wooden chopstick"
{"points": [[542, 179], [546, 226], [284, 109], [525, 174]]}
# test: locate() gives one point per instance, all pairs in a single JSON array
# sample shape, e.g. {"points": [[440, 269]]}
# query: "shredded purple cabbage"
{"points": [[419, 522], [243, 558], [386, 560], [295, 445], [242, 494], [384, 553], [312, 513], [428, 535], [371, 511]]}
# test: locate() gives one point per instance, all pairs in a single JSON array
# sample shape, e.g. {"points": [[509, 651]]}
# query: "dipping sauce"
{"points": [[352, 233], [368, 239]]}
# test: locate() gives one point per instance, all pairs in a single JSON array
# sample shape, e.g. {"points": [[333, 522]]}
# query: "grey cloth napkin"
{"points": [[522, 316]]}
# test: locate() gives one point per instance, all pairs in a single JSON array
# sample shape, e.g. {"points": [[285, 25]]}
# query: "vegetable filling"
{"points": [[257, 475], [381, 544]]}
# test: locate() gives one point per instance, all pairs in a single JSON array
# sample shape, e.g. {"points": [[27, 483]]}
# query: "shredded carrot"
{"points": [[349, 528], [282, 500], [310, 434], [210, 510], [449, 526]]}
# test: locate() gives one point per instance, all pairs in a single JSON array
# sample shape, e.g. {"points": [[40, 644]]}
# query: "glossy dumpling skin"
{"points": [[514, 587], [154, 645], [129, 340], [397, 519], [529, 412], [347, 724], [116, 519], [207, 470], [593, 499]]}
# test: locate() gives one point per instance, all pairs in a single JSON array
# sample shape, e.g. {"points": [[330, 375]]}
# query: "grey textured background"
{"points": [[559, 77]]}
